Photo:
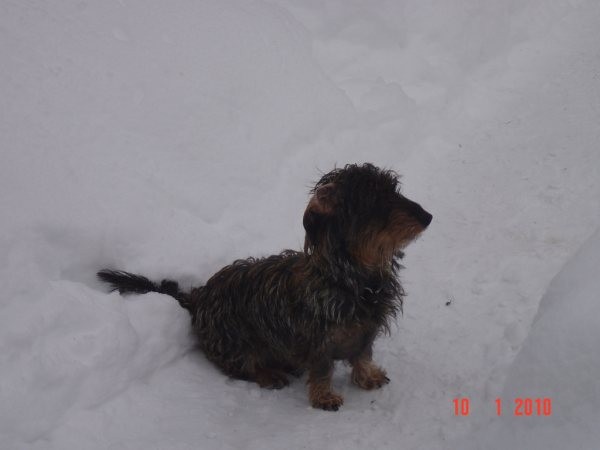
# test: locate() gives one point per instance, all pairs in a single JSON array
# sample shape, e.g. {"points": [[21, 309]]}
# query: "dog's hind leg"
{"points": [[271, 378], [252, 368]]}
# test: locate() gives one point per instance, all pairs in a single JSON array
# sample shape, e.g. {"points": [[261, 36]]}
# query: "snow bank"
{"points": [[71, 348], [560, 361]]}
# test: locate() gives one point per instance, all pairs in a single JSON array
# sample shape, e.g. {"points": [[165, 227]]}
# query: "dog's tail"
{"points": [[126, 283]]}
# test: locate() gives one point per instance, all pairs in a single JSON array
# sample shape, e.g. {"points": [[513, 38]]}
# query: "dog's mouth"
{"points": [[407, 234]]}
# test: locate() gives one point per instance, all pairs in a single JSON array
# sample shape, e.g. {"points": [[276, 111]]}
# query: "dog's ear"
{"points": [[320, 206], [323, 200]]}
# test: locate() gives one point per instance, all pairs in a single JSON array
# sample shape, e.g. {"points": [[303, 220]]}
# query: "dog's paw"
{"points": [[328, 401], [369, 377], [271, 379]]}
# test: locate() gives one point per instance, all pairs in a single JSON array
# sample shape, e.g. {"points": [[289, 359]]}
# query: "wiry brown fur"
{"points": [[261, 319]]}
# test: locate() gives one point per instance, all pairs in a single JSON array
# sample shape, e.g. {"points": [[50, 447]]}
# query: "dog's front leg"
{"points": [[365, 373], [319, 386]]}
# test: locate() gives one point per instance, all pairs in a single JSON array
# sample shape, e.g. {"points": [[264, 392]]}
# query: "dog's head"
{"points": [[359, 210]]}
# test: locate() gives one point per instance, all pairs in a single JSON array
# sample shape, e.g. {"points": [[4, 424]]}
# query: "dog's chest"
{"points": [[344, 342]]}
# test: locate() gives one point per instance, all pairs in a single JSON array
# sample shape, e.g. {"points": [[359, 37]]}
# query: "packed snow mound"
{"points": [[74, 348], [560, 361]]}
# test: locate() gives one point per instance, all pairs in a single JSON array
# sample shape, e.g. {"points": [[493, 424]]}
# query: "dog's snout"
{"points": [[417, 211], [425, 218]]}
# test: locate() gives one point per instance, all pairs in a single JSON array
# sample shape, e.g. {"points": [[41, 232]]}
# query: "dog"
{"points": [[262, 319]]}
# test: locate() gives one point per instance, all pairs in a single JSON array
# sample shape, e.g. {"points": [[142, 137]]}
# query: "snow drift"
{"points": [[559, 360]]}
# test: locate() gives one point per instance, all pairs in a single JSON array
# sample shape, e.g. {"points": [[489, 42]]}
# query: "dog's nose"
{"points": [[422, 216], [425, 218], [417, 211]]}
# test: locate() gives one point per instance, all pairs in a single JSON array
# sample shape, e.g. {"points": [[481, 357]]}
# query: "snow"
{"points": [[171, 138], [559, 360]]}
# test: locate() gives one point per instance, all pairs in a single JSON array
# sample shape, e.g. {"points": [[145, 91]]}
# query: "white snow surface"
{"points": [[170, 138], [560, 361]]}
